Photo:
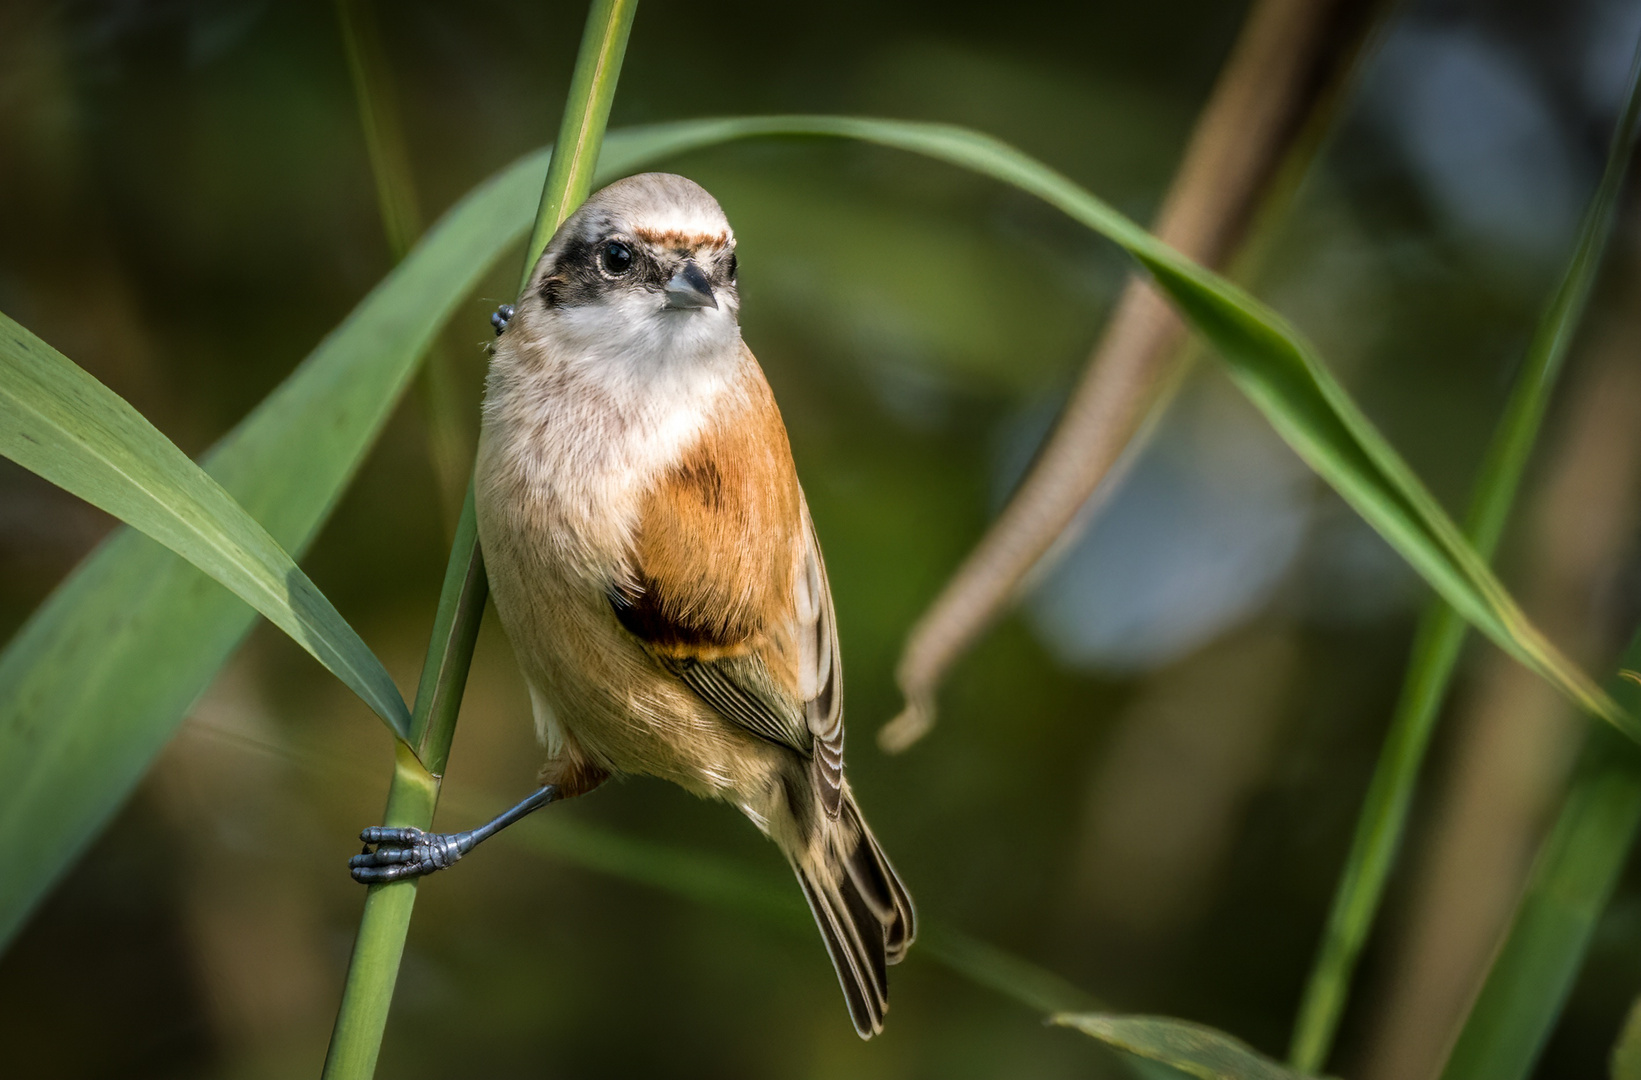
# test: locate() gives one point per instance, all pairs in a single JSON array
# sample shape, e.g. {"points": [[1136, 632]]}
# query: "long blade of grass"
{"points": [[714, 881], [581, 128], [1275, 367], [1383, 819], [413, 794], [58, 421], [1194, 1049], [1573, 878], [727, 884], [1272, 105]]}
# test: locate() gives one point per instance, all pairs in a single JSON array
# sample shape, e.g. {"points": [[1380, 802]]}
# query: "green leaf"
{"points": [[1194, 1049], [1441, 632], [61, 423]]}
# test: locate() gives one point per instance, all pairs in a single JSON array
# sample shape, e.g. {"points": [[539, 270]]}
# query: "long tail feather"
{"points": [[864, 913]]}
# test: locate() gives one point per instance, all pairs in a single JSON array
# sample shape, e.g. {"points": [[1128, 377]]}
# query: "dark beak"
{"points": [[689, 288]]}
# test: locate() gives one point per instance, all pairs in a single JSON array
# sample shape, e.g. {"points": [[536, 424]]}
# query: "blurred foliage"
{"points": [[187, 208]]}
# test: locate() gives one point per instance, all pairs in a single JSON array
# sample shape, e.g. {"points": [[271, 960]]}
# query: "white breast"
{"points": [[579, 420]]}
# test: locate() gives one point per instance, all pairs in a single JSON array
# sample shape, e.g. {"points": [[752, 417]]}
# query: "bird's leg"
{"points": [[402, 853], [500, 318]]}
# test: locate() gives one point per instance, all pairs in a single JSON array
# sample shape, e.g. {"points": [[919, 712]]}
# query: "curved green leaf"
{"points": [[1271, 362], [1194, 1049], [1281, 373], [59, 422]]}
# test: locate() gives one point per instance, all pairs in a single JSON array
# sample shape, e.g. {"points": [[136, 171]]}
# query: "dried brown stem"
{"points": [[1284, 68]]}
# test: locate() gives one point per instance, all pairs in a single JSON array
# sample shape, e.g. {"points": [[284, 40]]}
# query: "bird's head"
{"points": [[645, 266]]}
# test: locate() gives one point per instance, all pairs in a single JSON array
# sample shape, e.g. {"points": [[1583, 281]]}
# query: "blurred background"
{"points": [[1144, 780]]}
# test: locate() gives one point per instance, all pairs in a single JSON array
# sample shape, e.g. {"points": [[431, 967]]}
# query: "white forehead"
{"points": [[655, 203]]}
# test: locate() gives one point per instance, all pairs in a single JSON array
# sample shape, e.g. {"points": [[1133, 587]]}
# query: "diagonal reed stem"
{"points": [[1441, 632], [413, 796]]}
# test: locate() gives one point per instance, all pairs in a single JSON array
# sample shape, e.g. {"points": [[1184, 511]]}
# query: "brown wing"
{"points": [[727, 588]]}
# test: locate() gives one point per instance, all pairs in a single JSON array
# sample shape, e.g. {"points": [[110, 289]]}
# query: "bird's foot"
{"points": [[500, 319], [403, 853]]}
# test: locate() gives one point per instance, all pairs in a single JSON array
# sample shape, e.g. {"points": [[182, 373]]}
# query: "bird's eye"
{"points": [[617, 257], [732, 266]]}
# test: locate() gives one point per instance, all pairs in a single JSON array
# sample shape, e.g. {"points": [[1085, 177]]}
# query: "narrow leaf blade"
{"points": [[1194, 1049], [58, 421], [75, 734]]}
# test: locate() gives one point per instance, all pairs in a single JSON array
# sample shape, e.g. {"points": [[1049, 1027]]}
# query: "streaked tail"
{"points": [[864, 913]]}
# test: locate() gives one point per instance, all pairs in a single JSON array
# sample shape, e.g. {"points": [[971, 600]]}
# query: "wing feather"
{"points": [[726, 588]]}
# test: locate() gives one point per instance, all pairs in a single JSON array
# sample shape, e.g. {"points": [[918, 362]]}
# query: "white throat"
{"points": [[631, 338]]}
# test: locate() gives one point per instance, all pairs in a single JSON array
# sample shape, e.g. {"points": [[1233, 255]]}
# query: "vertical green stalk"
{"points": [[413, 796], [581, 132], [1441, 630], [448, 431]]}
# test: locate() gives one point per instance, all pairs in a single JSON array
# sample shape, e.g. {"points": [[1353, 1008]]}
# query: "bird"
{"points": [[654, 564]]}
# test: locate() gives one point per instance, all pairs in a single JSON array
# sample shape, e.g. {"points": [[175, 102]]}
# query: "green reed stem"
{"points": [[581, 132], [414, 793], [1441, 631], [412, 797]]}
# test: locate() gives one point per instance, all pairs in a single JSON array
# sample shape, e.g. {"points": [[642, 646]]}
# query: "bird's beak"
{"points": [[689, 288]]}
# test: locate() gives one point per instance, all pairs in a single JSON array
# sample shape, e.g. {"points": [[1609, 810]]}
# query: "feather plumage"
{"points": [[654, 562]]}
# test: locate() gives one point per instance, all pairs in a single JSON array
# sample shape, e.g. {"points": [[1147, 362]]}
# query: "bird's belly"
{"points": [[609, 701]]}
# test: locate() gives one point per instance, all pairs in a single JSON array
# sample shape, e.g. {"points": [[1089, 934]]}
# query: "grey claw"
{"points": [[376, 875], [383, 857], [378, 834], [500, 319], [402, 853]]}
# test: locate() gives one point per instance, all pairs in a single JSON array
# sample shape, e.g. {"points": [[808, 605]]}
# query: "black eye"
{"points": [[617, 257], [732, 266]]}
